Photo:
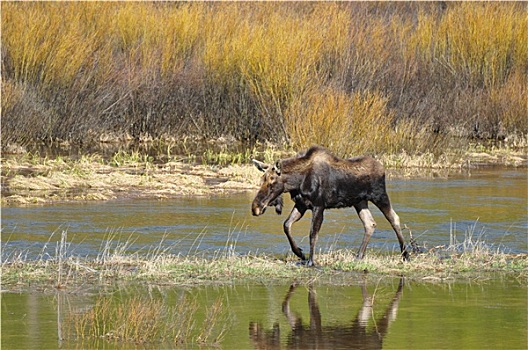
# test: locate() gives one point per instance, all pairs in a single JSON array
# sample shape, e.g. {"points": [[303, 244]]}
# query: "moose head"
{"points": [[271, 189]]}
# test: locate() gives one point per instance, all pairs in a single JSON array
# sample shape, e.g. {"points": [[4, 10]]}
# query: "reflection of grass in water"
{"points": [[143, 319]]}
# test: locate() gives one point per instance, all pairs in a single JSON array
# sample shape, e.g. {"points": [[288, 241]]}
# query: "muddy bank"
{"points": [[27, 179], [58, 180]]}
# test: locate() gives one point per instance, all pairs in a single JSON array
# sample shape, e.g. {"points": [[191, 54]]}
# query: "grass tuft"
{"points": [[471, 257]]}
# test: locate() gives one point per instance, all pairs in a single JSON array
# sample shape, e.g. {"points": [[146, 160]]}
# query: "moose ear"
{"points": [[260, 166], [277, 167]]}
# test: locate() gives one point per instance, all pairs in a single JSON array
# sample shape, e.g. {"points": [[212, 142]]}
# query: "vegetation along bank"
{"points": [[378, 78]]}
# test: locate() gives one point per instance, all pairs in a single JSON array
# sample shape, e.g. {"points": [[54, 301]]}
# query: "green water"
{"points": [[485, 315]]}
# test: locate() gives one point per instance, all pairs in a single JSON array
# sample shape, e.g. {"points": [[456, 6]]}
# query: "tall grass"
{"points": [[118, 260], [371, 77]]}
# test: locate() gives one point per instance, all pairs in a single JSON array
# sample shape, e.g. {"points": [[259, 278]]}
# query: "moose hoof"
{"points": [[300, 254], [310, 263], [306, 263], [406, 256], [301, 263]]}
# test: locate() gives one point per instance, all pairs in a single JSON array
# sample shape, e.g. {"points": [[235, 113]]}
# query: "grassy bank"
{"points": [[457, 260], [355, 77], [32, 179], [334, 267]]}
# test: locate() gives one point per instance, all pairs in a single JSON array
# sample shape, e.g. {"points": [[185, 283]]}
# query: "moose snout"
{"points": [[257, 211]]}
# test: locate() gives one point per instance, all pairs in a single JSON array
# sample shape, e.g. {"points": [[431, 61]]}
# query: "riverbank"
{"points": [[30, 179], [439, 265], [34, 180]]}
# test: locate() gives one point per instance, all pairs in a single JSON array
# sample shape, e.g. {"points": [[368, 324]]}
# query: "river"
{"points": [[374, 315], [489, 207]]}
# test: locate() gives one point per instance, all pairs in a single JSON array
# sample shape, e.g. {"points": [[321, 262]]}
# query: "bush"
{"points": [[347, 75]]}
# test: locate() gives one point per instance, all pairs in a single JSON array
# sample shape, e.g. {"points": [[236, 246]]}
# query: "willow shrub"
{"points": [[351, 76], [347, 125]]}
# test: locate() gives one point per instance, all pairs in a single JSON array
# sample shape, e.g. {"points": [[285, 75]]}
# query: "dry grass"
{"points": [[31, 179], [467, 258], [35, 180]]}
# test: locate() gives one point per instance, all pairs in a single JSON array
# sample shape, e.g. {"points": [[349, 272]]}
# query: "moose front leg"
{"points": [[317, 221], [295, 215], [368, 223]]}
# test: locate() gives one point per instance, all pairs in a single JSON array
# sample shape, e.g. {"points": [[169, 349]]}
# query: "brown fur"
{"points": [[318, 180]]}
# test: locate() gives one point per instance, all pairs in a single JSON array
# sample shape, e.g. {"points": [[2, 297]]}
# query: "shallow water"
{"points": [[490, 207], [486, 315]]}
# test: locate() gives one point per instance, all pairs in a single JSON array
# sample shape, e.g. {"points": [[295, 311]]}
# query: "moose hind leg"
{"points": [[295, 215], [394, 220], [368, 223], [317, 221]]}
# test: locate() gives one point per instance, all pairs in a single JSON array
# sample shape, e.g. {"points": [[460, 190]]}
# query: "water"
{"points": [[486, 315], [489, 206]]}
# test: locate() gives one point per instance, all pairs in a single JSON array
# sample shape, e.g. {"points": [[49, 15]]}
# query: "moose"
{"points": [[317, 180], [352, 335]]}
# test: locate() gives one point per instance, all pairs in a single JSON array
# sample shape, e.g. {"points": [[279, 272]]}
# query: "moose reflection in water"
{"points": [[354, 335], [318, 180]]}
